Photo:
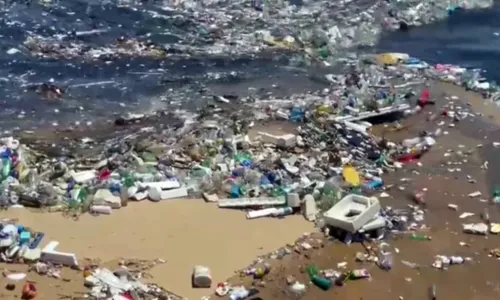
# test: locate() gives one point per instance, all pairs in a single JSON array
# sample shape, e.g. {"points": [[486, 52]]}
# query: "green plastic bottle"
{"points": [[312, 270], [82, 195], [243, 158], [129, 181], [6, 167], [322, 283], [496, 195]]}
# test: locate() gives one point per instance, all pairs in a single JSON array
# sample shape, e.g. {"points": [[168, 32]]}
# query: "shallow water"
{"points": [[99, 90]]}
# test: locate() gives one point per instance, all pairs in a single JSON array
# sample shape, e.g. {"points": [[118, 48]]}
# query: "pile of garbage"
{"points": [[60, 49], [318, 29], [229, 154], [19, 244], [121, 284]]}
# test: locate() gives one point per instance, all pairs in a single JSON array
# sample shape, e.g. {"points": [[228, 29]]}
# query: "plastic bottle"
{"points": [[128, 189], [312, 270], [496, 195], [359, 274], [296, 115], [386, 261], [83, 195], [322, 283], [375, 184], [283, 211], [6, 167], [33, 179], [4, 195], [433, 292]]}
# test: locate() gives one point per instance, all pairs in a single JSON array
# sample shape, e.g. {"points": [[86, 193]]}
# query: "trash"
{"points": [[419, 198], [16, 276], [222, 289], [420, 237], [298, 288], [444, 261], [495, 228], [465, 215], [101, 209], [310, 209], [202, 277], [321, 282], [475, 194], [240, 293], [210, 197], [29, 291], [476, 228], [351, 176], [389, 59], [358, 274], [49, 254], [105, 197], [410, 264], [433, 292], [352, 212]]}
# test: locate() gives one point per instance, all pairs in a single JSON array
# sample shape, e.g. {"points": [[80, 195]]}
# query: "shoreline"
{"points": [[435, 87]]}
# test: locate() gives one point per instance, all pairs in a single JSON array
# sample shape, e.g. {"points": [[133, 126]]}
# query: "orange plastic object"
{"points": [[29, 291]]}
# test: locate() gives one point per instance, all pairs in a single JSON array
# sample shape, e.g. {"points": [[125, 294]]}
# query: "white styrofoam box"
{"points": [[49, 254], [286, 140], [164, 185], [352, 212], [83, 176], [157, 194]]}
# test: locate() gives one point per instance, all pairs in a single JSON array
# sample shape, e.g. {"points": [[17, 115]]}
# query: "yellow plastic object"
{"points": [[387, 59], [279, 44], [391, 59], [495, 228], [322, 110], [351, 176]]}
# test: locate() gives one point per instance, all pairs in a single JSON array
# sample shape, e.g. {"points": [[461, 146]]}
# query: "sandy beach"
{"points": [[184, 233], [190, 232]]}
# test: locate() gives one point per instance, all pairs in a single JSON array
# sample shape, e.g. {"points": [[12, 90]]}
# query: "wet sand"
{"points": [[182, 232]]}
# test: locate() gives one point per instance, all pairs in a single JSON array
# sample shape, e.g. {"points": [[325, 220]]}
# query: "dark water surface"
{"points": [[103, 88], [468, 38]]}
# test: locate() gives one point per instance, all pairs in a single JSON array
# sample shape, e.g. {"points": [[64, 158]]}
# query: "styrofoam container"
{"points": [[352, 212], [83, 176], [164, 185], [157, 194]]}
